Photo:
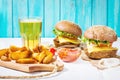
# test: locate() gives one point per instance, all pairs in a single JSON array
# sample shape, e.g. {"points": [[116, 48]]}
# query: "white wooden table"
{"points": [[78, 70]]}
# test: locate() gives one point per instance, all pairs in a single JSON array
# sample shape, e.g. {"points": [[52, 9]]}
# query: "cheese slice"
{"points": [[95, 49], [63, 40]]}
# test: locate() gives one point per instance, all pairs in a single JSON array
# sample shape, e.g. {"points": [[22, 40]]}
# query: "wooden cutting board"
{"points": [[32, 67]]}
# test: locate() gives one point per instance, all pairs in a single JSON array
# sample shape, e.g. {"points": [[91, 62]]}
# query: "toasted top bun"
{"points": [[69, 27], [101, 32]]}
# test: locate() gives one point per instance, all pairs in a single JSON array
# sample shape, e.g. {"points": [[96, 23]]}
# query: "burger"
{"points": [[67, 34], [99, 39]]}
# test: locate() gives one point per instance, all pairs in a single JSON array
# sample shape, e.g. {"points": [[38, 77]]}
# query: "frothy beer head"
{"points": [[30, 20]]}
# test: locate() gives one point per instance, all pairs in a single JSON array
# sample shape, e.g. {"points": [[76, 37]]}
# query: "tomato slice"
{"points": [[105, 45]]}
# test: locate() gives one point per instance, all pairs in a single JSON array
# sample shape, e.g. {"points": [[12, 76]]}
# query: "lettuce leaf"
{"points": [[64, 34], [83, 39]]}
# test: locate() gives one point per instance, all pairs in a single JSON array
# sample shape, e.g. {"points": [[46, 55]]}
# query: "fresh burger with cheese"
{"points": [[67, 34], [99, 41]]}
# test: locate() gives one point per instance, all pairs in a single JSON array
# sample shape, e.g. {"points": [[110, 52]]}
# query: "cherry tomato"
{"points": [[52, 50]]}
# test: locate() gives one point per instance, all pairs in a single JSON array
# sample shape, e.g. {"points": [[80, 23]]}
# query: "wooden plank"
{"points": [[51, 16], [78, 11], [20, 10], [99, 12], [68, 10], [36, 11], [114, 15], [5, 18], [83, 13]]}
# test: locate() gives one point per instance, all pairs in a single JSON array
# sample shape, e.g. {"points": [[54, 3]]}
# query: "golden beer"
{"points": [[30, 30]]}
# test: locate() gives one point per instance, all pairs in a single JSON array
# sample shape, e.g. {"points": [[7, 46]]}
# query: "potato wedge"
{"points": [[14, 48], [48, 59], [3, 51], [34, 55], [5, 58], [14, 55], [19, 55], [23, 49], [40, 57], [36, 49], [26, 61], [47, 52], [25, 54]]}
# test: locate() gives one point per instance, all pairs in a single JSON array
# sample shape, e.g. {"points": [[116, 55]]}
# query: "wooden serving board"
{"points": [[32, 67]]}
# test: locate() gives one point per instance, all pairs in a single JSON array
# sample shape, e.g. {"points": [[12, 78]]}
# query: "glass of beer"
{"points": [[30, 30]]}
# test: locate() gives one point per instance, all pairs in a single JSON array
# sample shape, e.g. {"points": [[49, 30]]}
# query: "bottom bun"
{"points": [[101, 54], [65, 44]]}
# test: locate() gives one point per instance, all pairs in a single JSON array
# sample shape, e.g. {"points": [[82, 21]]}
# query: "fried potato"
{"points": [[23, 55], [19, 55], [14, 48], [5, 58], [3, 51], [39, 49], [34, 55], [23, 49], [41, 56], [48, 59], [36, 49], [47, 52], [26, 61], [14, 55]]}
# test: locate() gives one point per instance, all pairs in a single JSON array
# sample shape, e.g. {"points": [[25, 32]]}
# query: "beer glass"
{"points": [[30, 31]]}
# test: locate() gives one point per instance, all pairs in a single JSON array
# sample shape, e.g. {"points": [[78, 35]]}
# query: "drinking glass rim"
{"points": [[30, 19]]}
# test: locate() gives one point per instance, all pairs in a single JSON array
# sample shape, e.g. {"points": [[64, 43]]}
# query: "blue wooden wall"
{"points": [[83, 12]]}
